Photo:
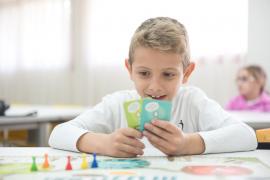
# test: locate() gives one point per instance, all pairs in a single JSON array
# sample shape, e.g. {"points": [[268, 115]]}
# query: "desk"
{"points": [[42, 121], [161, 167], [256, 120]]}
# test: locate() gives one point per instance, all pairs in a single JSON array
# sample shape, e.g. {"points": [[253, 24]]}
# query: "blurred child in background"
{"points": [[251, 81]]}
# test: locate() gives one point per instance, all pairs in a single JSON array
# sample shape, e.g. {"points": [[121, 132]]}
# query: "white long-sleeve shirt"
{"points": [[192, 111]]}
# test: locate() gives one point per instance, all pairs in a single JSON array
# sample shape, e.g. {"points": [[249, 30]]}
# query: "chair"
{"points": [[263, 138]]}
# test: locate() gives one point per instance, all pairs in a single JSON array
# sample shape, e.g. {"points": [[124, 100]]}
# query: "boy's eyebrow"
{"points": [[142, 67], [163, 69], [174, 69]]}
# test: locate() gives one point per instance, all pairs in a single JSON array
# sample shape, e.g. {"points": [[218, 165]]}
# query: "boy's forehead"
{"points": [[143, 52], [148, 56]]}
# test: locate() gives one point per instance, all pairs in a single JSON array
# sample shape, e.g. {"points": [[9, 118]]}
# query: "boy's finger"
{"points": [[133, 142], [167, 126], [156, 140], [124, 154], [130, 149], [161, 148], [132, 133], [158, 131]]}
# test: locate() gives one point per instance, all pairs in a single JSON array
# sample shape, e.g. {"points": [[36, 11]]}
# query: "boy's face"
{"points": [[157, 74]]}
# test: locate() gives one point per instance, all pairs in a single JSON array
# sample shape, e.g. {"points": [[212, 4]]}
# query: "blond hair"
{"points": [[163, 34], [258, 73]]}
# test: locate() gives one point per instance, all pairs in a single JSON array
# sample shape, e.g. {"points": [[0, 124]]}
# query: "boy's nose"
{"points": [[155, 85]]}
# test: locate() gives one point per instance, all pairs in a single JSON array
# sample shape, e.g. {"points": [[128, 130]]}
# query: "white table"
{"points": [[41, 121], [254, 119], [263, 155], [26, 153]]}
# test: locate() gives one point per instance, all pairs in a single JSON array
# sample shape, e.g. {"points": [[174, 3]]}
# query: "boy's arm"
{"points": [[172, 141], [221, 132], [64, 136], [194, 144], [92, 143], [101, 118], [231, 138], [121, 143]]}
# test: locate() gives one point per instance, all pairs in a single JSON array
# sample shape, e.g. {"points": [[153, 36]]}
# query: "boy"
{"points": [[158, 64]]}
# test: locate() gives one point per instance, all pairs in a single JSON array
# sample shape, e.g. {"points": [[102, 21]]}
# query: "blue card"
{"points": [[155, 109]]}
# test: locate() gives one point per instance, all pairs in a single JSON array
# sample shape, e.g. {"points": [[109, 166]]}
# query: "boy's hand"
{"points": [[124, 143], [171, 140]]}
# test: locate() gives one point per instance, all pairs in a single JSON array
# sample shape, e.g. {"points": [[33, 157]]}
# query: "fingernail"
{"points": [[154, 121]]}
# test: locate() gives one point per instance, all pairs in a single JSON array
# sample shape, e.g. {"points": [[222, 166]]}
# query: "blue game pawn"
{"points": [[94, 163]]}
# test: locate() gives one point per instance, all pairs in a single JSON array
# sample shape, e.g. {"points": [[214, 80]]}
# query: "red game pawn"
{"points": [[68, 166], [46, 162]]}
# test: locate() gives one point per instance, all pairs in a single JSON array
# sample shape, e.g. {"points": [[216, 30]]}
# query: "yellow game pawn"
{"points": [[84, 164], [46, 162]]}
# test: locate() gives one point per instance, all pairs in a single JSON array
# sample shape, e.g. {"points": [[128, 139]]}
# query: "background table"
{"points": [[41, 122], [256, 120], [46, 115]]}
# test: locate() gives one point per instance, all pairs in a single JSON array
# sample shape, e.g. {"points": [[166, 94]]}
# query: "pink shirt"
{"points": [[262, 104]]}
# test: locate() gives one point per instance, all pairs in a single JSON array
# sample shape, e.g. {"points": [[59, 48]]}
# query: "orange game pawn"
{"points": [[46, 164]]}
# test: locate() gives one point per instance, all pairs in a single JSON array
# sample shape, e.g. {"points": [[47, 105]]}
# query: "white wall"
{"points": [[218, 80], [217, 77], [259, 34], [88, 87]]}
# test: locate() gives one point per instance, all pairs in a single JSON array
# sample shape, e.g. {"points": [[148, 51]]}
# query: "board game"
{"points": [[163, 168]]}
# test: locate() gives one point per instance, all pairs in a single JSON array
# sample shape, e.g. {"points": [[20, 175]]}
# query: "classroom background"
{"points": [[70, 53]]}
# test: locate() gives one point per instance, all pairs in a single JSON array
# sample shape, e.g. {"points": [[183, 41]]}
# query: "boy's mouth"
{"points": [[157, 97]]}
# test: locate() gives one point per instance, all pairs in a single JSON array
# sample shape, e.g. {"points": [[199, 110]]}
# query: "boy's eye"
{"points": [[169, 75], [144, 73]]}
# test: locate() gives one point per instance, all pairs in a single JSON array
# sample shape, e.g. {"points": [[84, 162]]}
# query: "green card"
{"points": [[133, 111], [141, 111]]}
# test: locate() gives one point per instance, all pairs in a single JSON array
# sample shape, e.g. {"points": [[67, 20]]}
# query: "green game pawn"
{"points": [[34, 165]]}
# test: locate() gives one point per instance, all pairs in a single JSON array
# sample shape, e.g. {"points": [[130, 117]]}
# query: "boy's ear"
{"points": [[188, 72], [128, 66]]}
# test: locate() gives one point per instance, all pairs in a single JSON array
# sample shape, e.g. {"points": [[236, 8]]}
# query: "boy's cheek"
{"points": [[140, 87]]}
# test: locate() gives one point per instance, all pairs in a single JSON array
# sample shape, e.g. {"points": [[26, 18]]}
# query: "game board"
{"points": [[185, 167]]}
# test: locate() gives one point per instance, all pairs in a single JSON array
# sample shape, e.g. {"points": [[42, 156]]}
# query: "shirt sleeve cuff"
{"points": [[71, 137], [206, 138], [76, 135]]}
